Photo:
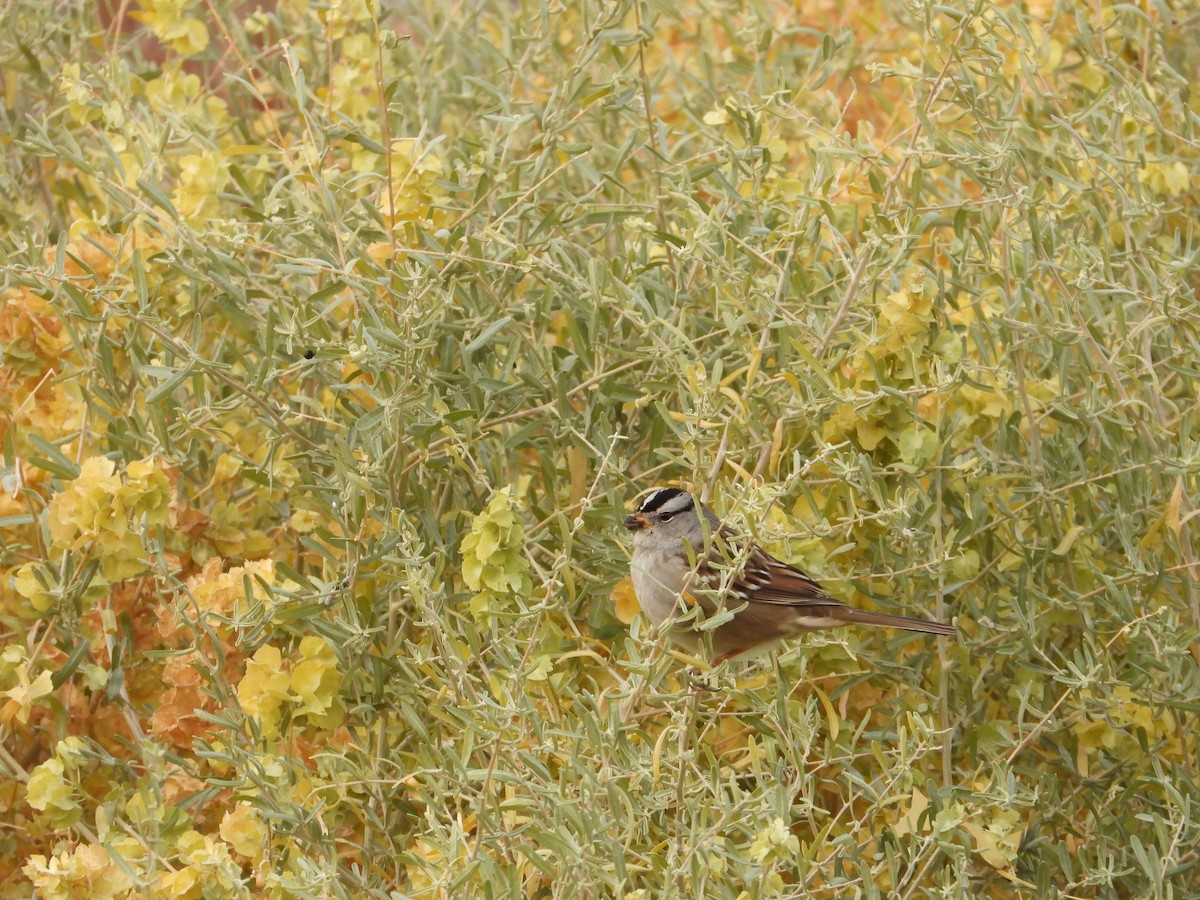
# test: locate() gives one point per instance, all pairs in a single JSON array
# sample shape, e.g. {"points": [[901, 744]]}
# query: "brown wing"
{"points": [[777, 582], [765, 580], [761, 578]]}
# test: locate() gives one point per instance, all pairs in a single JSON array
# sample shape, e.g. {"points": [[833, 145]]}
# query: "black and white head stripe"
{"points": [[671, 500]]}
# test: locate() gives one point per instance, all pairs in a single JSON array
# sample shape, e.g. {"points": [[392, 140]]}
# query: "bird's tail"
{"points": [[850, 615]]}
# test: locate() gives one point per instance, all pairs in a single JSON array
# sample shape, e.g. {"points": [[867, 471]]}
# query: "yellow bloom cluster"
{"points": [[353, 83], [101, 511], [305, 688], [224, 595], [26, 691], [415, 191], [244, 832], [204, 865], [48, 790], [209, 870], [1165, 179], [78, 94], [774, 842], [902, 353], [107, 514], [912, 351], [32, 336], [494, 564], [1114, 729], [201, 177], [905, 316], [84, 871], [181, 93], [171, 24], [342, 16]]}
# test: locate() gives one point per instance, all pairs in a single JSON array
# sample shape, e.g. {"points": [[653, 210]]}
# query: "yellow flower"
{"points": [[303, 521], [353, 85], [905, 315], [415, 174], [220, 594], [311, 683], [101, 511], [180, 93], [215, 872], [77, 93], [625, 601], [22, 697], [996, 833], [774, 841], [26, 583], [1165, 179], [120, 555], [182, 884], [342, 14], [173, 90], [264, 688], [1113, 728], [494, 564], [83, 508], [85, 872], [170, 24], [242, 830], [71, 751], [201, 177], [315, 679], [146, 491], [49, 792]]}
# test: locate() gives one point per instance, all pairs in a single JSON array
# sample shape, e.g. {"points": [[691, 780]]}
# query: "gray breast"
{"points": [[658, 593]]}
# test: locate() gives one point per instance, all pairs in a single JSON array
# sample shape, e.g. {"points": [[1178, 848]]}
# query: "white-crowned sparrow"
{"points": [[683, 556]]}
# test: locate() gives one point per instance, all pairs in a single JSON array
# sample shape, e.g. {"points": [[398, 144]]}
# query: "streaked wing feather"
{"points": [[780, 583], [764, 579]]}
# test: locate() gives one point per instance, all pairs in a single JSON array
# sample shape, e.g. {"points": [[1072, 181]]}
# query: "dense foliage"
{"points": [[337, 337]]}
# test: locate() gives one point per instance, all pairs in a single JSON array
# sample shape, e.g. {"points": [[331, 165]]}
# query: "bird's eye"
{"points": [[666, 517]]}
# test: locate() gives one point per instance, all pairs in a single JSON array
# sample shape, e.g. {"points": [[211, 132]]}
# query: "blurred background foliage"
{"points": [[337, 337]]}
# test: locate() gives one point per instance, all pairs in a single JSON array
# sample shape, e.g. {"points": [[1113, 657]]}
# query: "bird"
{"points": [[683, 555]]}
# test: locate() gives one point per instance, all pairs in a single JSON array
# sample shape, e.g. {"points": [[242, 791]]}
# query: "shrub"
{"points": [[336, 339]]}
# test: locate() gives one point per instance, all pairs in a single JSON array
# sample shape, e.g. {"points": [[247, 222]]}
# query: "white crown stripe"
{"points": [[649, 501], [672, 500]]}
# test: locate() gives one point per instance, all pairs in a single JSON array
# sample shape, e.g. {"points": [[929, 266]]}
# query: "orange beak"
{"points": [[636, 522]]}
